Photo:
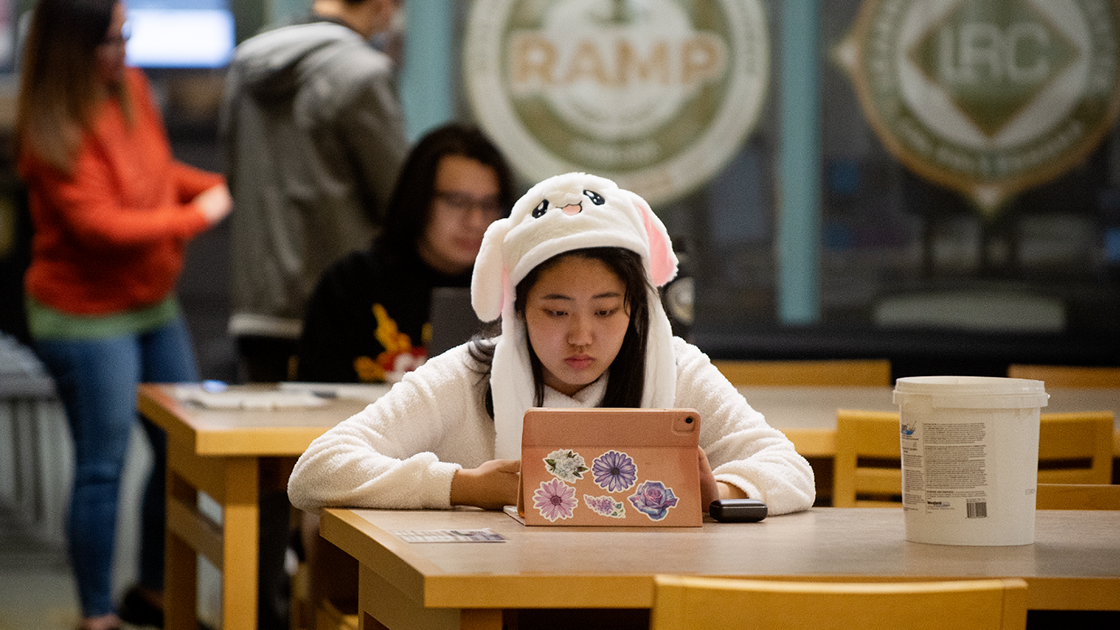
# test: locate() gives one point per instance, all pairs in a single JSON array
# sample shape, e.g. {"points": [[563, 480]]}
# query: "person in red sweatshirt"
{"points": [[112, 212]]}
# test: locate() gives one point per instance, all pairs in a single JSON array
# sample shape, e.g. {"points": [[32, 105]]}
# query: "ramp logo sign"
{"points": [[657, 95], [988, 97]]}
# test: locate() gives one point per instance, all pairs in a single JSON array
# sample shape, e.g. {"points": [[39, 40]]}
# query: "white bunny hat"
{"points": [[560, 214]]}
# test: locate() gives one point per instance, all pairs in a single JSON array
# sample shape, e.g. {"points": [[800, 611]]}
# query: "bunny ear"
{"points": [[489, 276], [662, 259]]}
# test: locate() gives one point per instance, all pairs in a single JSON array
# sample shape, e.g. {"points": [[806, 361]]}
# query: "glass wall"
{"points": [[963, 166], [901, 227], [932, 181]]}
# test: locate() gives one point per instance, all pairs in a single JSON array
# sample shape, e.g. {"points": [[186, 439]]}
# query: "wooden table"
{"points": [[1074, 563], [220, 452]]}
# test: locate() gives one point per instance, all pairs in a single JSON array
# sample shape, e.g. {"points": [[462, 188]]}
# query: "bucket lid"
{"points": [[973, 392]]}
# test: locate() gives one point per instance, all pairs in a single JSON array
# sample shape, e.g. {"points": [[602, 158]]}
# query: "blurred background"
{"points": [[809, 236]]}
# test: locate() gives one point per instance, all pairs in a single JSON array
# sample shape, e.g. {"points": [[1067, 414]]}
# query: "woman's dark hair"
{"points": [[410, 207], [58, 80], [627, 372]]}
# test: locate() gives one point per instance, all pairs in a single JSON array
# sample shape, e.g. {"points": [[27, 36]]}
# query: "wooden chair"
{"points": [[837, 373], [319, 613], [330, 616], [867, 463], [1073, 448], [1067, 375], [1077, 496], [324, 589], [697, 603]]}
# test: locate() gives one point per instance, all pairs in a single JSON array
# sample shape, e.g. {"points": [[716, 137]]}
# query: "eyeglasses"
{"points": [[120, 39], [463, 203]]}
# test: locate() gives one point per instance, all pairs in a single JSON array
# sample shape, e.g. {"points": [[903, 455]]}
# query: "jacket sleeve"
{"points": [[187, 181], [743, 449], [372, 129], [402, 451], [88, 203], [191, 181]]}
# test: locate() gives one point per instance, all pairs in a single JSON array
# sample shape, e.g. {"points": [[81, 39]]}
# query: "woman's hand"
{"points": [[215, 203], [710, 489], [491, 486]]}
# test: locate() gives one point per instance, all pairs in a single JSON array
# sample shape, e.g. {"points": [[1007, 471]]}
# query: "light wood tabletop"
{"points": [[1074, 563], [221, 452], [238, 432]]}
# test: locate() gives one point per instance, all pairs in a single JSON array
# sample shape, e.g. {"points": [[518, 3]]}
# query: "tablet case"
{"points": [[610, 467]]}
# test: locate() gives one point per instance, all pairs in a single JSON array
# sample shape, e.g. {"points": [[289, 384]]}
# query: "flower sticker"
{"points": [[614, 471], [565, 464], [555, 500], [653, 499], [605, 506]]}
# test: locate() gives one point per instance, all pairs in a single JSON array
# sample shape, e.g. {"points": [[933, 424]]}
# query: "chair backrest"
{"points": [[838, 373], [1067, 375], [867, 469], [1077, 496], [1073, 448], [698, 603]]}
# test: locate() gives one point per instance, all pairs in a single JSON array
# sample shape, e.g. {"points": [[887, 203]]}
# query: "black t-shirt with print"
{"points": [[362, 302]]}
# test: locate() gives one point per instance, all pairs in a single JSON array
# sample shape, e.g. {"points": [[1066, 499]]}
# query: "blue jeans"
{"points": [[97, 380]]}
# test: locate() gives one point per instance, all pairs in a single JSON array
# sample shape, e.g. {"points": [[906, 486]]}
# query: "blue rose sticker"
{"points": [[653, 499]]}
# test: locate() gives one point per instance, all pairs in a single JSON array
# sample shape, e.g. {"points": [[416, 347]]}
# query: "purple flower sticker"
{"points": [[605, 506], [555, 500], [614, 471], [653, 499]]}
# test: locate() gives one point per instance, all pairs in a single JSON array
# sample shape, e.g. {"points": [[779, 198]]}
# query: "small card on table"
{"points": [[449, 535]]}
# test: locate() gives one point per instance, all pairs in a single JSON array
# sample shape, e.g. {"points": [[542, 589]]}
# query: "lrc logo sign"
{"points": [[656, 95], [987, 96]]}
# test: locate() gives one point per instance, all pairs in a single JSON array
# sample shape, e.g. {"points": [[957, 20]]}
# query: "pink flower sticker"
{"points": [[555, 500]]}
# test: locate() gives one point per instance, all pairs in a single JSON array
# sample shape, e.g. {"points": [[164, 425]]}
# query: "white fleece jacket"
{"points": [[402, 451]]}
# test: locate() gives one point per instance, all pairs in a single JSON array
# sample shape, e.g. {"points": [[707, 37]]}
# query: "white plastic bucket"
{"points": [[969, 458]]}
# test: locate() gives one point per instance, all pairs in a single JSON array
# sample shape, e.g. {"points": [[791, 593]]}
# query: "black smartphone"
{"points": [[737, 510]]}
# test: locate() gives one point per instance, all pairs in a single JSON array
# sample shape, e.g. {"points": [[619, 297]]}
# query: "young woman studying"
{"points": [[112, 212], [572, 274], [366, 319]]}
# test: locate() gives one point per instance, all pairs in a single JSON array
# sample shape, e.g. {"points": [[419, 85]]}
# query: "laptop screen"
{"points": [[452, 318]]}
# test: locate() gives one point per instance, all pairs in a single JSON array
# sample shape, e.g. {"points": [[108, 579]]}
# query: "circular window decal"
{"points": [[988, 97], [656, 95]]}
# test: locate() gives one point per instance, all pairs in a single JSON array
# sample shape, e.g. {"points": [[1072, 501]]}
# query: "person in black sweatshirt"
{"points": [[367, 319]]}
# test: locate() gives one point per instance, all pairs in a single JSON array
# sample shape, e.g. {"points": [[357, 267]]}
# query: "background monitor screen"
{"points": [[7, 34], [180, 33]]}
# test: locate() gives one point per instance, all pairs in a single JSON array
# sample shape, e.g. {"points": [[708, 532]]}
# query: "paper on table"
{"points": [[250, 400], [366, 391]]}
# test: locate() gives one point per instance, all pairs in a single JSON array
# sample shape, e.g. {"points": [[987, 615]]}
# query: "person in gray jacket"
{"points": [[314, 136]]}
